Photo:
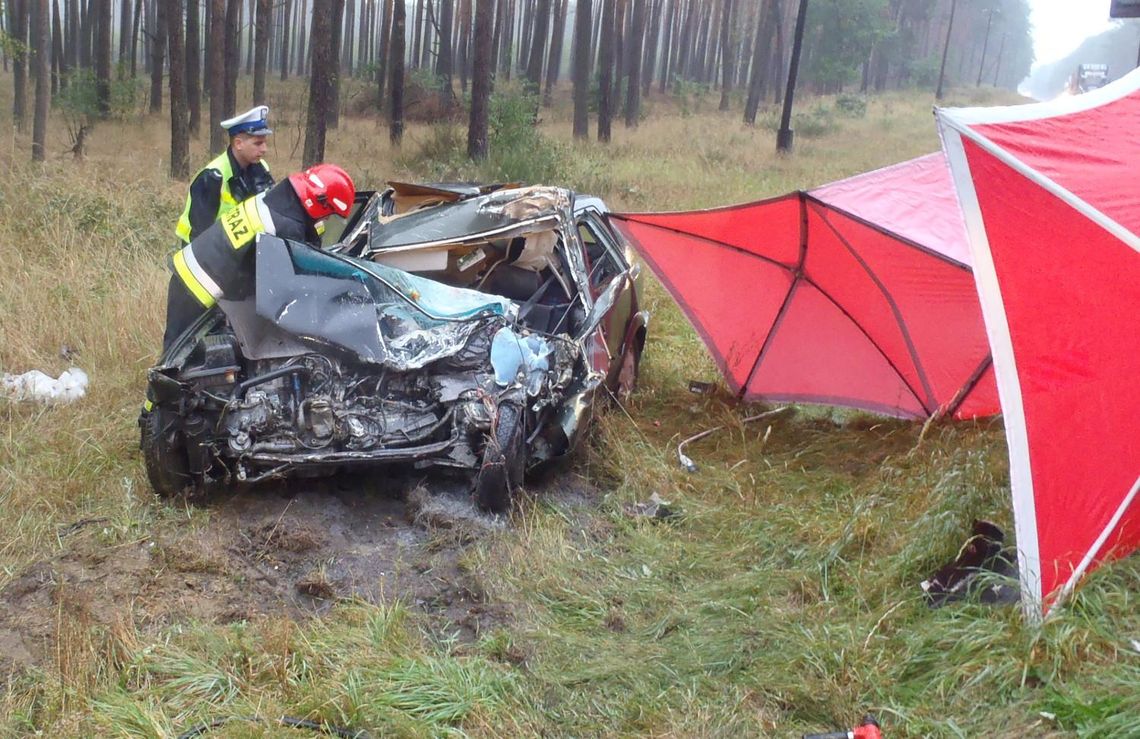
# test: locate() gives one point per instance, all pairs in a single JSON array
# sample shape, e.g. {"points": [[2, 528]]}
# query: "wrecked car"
{"points": [[450, 327]]}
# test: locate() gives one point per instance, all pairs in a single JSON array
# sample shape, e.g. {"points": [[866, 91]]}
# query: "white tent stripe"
{"points": [[949, 117], [1063, 105], [1005, 371]]}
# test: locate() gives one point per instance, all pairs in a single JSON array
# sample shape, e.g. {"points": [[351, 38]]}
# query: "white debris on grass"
{"points": [[35, 385]]}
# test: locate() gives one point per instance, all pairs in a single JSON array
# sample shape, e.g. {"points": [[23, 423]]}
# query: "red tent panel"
{"points": [[769, 228], [1070, 290], [928, 308], [981, 396], [914, 199], [1091, 152], [819, 355], [908, 309], [839, 267], [749, 292]]}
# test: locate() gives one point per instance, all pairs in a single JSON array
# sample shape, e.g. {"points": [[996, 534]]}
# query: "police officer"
{"points": [[234, 175], [219, 262]]}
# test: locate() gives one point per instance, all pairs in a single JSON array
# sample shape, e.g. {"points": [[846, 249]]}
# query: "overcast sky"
{"points": [[1059, 26]]}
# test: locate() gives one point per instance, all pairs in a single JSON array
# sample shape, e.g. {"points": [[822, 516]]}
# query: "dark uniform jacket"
{"points": [[219, 263], [217, 188]]}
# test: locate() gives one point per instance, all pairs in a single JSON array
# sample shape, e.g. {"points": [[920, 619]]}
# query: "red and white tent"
{"points": [[858, 293], [1051, 197]]}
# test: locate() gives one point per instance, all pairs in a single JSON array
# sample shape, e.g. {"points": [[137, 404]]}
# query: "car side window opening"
{"points": [[601, 253]]}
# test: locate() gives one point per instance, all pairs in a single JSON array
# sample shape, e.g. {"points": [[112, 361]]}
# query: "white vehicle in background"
{"points": [[1088, 77]]}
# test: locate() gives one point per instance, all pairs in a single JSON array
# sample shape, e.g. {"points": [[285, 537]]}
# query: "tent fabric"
{"points": [[856, 294], [1051, 207]]}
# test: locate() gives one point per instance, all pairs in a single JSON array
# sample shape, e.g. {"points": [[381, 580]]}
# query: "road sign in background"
{"points": [[1125, 9]]}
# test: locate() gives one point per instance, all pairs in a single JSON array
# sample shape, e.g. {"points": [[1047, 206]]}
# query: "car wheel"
{"points": [[164, 453], [630, 368], [504, 461]]}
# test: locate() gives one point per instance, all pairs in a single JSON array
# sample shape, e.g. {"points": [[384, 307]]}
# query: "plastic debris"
{"points": [[655, 507], [690, 466], [35, 385], [525, 359]]}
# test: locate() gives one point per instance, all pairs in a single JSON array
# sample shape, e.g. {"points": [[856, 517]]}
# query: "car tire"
{"points": [[630, 368], [504, 461], [164, 453]]}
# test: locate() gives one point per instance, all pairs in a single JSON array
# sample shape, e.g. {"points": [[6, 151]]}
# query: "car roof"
{"points": [[481, 214]]}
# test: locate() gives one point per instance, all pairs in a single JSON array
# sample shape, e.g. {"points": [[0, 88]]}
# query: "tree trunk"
{"points": [[481, 80], [619, 50], [217, 80], [103, 56], [41, 38], [464, 50], [58, 68], [302, 53], [667, 53], [179, 131], [554, 61], [605, 70], [633, 87], [193, 66], [321, 81], [286, 32], [761, 47], [417, 32], [776, 65], [396, 71], [538, 46], [135, 39], [649, 58], [348, 28], [71, 53], [157, 57], [365, 27], [249, 40], [18, 15], [261, 50], [582, 24], [526, 30], [443, 60], [124, 33], [232, 62], [85, 32], [382, 53], [333, 118], [728, 63]]}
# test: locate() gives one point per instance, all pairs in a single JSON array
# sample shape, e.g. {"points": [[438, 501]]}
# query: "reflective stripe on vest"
{"points": [[200, 284], [205, 271]]}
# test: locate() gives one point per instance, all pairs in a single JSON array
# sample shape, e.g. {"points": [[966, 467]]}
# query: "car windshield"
{"points": [[388, 285]]}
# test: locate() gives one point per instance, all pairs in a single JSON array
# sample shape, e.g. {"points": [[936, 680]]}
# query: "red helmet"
{"points": [[324, 189]]}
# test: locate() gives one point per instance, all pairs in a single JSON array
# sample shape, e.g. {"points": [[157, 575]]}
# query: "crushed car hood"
{"points": [[308, 299]]}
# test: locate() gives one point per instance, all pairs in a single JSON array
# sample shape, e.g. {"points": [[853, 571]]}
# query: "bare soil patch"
{"points": [[293, 549]]}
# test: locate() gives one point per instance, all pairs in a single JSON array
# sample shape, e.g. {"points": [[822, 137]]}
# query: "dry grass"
{"points": [[783, 599]]}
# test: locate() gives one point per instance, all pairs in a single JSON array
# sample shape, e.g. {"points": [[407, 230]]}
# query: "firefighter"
{"points": [[234, 175], [219, 262]]}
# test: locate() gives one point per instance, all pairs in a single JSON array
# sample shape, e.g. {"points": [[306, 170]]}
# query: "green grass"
{"points": [[782, 599]]}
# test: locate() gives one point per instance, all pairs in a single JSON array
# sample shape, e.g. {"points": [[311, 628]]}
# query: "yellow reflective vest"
{"points": [[213, 264], [226, 203]]}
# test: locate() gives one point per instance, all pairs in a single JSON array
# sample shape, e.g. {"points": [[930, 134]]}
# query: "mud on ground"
{"points": [[288, 549]]}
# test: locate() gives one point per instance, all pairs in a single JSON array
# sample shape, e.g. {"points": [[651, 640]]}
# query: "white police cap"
{"points": [[254, 121]]}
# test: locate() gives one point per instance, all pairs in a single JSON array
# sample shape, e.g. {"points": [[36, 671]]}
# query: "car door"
{"points": [[605, 261]]}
